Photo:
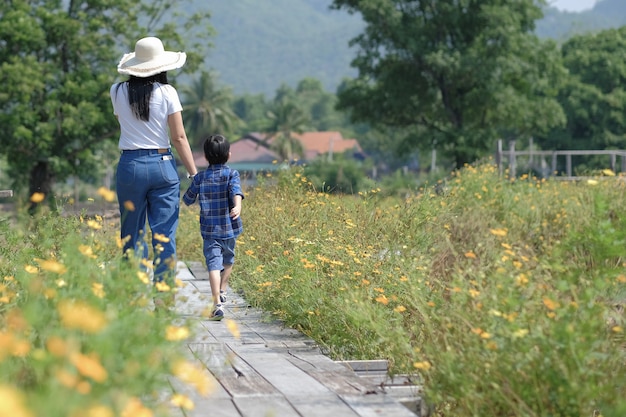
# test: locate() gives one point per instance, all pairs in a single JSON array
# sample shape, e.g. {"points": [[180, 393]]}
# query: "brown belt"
{"points": [[160, 150]]}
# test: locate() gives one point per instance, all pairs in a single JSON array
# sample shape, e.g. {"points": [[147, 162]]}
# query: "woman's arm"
{"points": [[180, 142]]}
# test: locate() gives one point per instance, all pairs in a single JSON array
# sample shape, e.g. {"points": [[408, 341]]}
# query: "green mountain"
{"points": [[261, 44]]}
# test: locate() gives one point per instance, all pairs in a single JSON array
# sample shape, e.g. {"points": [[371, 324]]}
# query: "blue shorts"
{"points": [[219, 252]]}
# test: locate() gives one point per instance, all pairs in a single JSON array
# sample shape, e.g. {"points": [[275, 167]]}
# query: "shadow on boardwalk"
{"points": [[273, 371]]}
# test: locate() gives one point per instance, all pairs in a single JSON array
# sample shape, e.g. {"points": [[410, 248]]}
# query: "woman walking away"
{"points": [[148, 187]]}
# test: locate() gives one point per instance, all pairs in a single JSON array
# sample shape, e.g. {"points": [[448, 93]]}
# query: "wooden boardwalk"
{"points": [[273, 371]]}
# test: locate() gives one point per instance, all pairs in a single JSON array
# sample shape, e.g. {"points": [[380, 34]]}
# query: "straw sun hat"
{"points": [[150, 58]]}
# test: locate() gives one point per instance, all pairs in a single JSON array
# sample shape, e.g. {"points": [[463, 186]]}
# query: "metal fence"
{"points": [[538, 160]]}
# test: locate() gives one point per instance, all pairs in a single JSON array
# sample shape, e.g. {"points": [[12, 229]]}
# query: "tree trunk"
{"points": [[41, 181]]}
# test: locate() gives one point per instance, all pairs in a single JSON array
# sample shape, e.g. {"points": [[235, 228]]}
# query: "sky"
{"points": [[572, 5]]}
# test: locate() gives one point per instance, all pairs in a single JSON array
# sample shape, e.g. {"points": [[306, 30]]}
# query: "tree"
{"points": [[58, 62], [286, 118], [464, 71], [208, 107], [594, 97]]}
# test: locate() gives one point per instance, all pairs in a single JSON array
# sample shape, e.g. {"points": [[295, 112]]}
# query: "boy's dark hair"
{"points": [[216, 149]]}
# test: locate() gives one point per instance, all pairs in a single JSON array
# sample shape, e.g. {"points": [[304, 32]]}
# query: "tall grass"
{"points": [[505, 297], [78, 335]]}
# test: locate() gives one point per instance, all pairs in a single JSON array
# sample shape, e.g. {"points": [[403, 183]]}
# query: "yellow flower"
{"points": [[399, 309], [107, 194], [96, 411], [422, 366], [87, 251], [98, 289], [52, 266], [89, 367], [129, 206], [473, 293], [162, 286], [12, 403], [232, 328], [192, 375], [175, 333], [82, 316], [135, 408], [617, 329], [592, 182], [161, 238], [498, 232], [550, 304], [37, 198], [57, 346], [143, 277], [520, 333], [182, 401], [382, 299], [470, 254], [31, 269], [94, 225], [608, 172]]}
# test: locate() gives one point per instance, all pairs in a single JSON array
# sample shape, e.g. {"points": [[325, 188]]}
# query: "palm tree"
{"points": [[286, 118], [208, 107]]}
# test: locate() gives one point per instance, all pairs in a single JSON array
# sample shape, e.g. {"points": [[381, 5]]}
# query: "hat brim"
{"points": [[167, 61]]}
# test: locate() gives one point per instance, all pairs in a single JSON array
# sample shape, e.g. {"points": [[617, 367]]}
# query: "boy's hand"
{"points": [[235, 212]]}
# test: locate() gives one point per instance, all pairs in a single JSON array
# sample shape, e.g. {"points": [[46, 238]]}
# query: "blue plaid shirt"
{"points": [[216, 188]]}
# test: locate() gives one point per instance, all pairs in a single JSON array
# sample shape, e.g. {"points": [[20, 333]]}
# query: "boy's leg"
{"points": [[214, 280], [228, 259], [225, 276], [213, 255]]}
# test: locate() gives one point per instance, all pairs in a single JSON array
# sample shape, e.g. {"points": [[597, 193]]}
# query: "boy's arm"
{"points": [[234, 187], [192, 193], [235, 212]]}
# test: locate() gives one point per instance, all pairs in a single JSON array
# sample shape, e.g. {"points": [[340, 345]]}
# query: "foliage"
{"points": [[466, 72], [505, 297], [208, 109], [78, 335], [341, 175], [58, 62], [594, 97]]}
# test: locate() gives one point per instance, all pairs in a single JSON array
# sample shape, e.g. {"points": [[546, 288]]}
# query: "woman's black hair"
{"points": [[216, 149], [140, 92]]}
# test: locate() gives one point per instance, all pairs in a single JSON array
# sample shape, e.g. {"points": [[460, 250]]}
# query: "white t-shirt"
{"points": [[138, 134]]}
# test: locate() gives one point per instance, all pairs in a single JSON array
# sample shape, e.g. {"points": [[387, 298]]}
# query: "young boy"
{"points": [[218, 188]]}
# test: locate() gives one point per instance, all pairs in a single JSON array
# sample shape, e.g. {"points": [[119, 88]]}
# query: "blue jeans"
{"points": [[148, 187]]}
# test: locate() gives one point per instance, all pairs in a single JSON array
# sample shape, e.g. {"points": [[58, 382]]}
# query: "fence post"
{"points": [[512, 160], [613, 160], [499, 156], [568, 165], [623, 170]]}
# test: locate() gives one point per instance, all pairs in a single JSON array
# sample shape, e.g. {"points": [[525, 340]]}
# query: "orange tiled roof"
{"points": [[319, 143], [247, 148]]}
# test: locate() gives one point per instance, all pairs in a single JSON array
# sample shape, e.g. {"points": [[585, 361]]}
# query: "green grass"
{"points": [[506, 298], [503, 296]]}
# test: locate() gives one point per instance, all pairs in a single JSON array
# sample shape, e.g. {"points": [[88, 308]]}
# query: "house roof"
{"points": [[248, 150], [320, 143]]}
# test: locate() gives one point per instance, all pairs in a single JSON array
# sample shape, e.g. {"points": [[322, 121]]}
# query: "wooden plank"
{"points": [[234, 374], [322, 406], [381, 365], [266, 406], [377, 405], [284, 376], [336, 377], [214, 407]]}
